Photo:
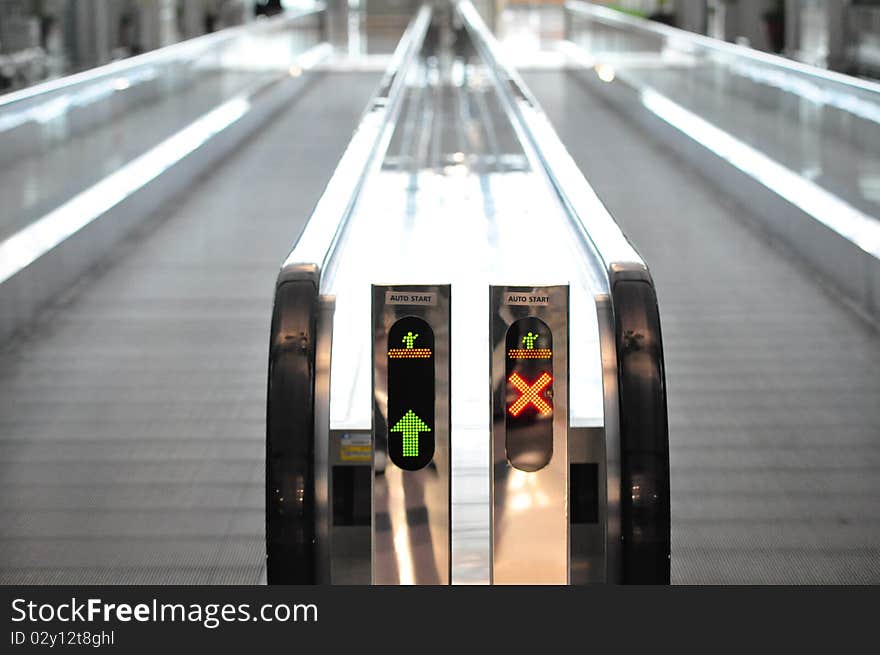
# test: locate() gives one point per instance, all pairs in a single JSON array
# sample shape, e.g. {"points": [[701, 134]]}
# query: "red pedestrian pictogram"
{"points": [[531, 394]]}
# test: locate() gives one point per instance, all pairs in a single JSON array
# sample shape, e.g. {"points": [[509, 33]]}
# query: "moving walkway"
{"points": [[457, 215]]}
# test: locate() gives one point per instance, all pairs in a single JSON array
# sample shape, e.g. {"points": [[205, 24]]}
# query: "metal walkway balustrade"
{"points": [[455, 177]]}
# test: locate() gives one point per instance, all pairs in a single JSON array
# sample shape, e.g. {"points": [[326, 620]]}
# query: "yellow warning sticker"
{"points": [[355, 448]]}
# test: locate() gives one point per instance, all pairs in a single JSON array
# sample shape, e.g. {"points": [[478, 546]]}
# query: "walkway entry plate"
{"points": [[529, 363], [412, 459]]}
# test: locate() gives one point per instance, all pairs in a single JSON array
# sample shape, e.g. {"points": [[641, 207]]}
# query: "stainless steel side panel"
{"points": [[411, 509], [530, 528], [324, 337], [608, 347]]}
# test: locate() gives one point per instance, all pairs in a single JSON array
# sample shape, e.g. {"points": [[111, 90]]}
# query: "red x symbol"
{"points": [[531, 394]]}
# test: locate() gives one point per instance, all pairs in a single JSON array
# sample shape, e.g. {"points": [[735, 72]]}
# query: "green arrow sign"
{"points": [[410, 425]]}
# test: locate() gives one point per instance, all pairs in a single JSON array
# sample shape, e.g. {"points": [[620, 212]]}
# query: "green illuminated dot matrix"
{"points": [[409, 339], [410, 425], [529, 340]]}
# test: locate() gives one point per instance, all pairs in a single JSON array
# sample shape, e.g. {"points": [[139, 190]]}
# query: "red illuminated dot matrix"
{"points": [[531, 394]]}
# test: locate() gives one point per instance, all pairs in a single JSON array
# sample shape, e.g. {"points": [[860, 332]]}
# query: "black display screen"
{"points": [[529, 394], [411, 393]]}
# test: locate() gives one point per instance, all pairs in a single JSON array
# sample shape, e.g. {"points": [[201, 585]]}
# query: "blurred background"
{"points": [[159, 158], [42, 39]]}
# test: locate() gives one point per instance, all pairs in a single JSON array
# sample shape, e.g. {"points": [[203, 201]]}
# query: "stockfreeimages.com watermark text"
{"points": [[208, 615]]}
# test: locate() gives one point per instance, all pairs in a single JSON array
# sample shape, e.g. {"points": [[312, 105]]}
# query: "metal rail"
{"points": [[634, 382], [295, 547], [619, 19], [185, 50]]}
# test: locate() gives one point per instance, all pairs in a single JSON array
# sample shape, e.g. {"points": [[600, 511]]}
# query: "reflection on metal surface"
{"points": [[807, 134], [32, 242], [810, 90], [317, 242], [402, 561], [605, 72], [652, 35], [542, 146], [829, 209], [455, 181], [529, 479], [411, 436], [351, 477], [323, 510], [39, 237], [457, 198], [588, 504], [611, 396], [183, 52]]}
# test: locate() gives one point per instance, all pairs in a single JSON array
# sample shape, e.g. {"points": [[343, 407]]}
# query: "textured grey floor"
{"points": [[132, 421], [774, 386]]}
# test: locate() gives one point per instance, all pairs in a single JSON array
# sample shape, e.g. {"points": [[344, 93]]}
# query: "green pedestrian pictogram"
{"points": [[529, 340], [410, 425], [409, 339]]}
